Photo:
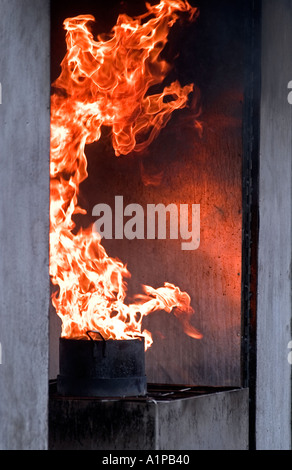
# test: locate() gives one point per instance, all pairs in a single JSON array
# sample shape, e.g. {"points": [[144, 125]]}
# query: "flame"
{"points": [[106, 82]]}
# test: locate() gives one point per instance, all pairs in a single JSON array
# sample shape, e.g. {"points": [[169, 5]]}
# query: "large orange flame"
{"points": [[105, 82]]}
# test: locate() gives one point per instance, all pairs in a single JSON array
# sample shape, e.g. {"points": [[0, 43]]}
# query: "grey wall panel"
{"points": [[24, 222], [273, 407]]}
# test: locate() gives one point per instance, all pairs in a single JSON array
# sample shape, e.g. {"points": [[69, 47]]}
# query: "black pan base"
{"points": [[111, 368]]}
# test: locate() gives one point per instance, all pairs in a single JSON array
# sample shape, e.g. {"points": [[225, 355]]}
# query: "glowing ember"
{"points": [[105, 82]]}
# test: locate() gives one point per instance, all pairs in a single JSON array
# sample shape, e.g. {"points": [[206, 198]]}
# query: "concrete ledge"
{"points": [[204, 421]]}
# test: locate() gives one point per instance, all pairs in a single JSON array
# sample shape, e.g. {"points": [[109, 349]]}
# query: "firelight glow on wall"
{"points": [[146, 183]]}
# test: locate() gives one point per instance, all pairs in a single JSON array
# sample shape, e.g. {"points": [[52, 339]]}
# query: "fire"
{"points": [[106, 82]]}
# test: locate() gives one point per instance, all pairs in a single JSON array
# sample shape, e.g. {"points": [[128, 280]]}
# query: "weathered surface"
{"points": [[273, 407], [101, 425], [218, 421], [24, 222]]}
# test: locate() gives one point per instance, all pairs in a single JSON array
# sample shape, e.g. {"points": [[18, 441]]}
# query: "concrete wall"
{"points": [[273, 401], [24, 222]]}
